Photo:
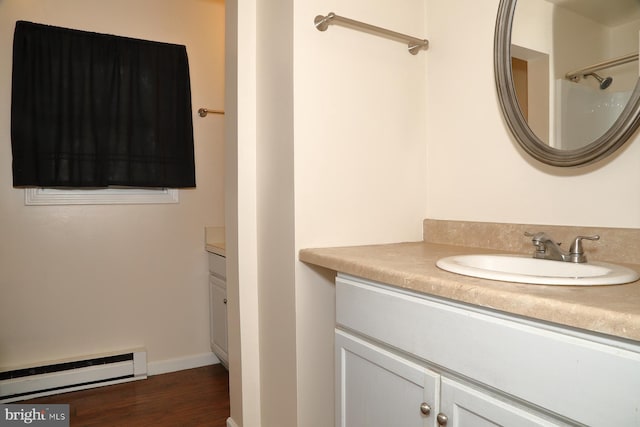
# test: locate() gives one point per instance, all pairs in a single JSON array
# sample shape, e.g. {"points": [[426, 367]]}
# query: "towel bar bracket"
{"points": [[202, 112]]}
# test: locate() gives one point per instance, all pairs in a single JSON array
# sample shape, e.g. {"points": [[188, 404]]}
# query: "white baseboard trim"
{"points": [[231, 423], [181, 363]]}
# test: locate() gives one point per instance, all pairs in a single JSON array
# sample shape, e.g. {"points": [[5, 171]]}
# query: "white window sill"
{"points": [[106, 196]]}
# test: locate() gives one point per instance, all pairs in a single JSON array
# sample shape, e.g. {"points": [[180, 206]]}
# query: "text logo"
{"points": [[34, 415]]}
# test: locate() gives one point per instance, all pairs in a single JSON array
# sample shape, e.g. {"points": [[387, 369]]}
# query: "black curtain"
{"points": [[97, 110]]}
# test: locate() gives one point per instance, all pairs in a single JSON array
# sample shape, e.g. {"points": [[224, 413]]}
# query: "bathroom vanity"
{"points": [[218, 307], [214, 237], [418, 346]]}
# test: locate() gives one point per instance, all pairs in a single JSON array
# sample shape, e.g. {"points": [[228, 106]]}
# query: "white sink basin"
{"points": [[524, 269]]}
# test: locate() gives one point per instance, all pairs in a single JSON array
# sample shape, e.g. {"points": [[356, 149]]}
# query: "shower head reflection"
{"points": [[604, 82]]}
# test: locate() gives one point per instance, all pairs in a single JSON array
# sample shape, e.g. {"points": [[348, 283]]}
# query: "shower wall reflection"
{"points": [[584, 111]]}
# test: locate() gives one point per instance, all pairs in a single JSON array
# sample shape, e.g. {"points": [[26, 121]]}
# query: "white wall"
{"points": [[475, 170], [78, 280], [623, 40], [260, 225], [276, 226], [359, 125], [241, 212]]}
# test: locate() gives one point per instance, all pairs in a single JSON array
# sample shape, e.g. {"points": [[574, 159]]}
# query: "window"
{"points": [[95, 111]]}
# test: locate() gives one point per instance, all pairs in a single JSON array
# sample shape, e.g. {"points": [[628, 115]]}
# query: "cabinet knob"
{"points": [[225, 301], [425, 408], [442, 419]]}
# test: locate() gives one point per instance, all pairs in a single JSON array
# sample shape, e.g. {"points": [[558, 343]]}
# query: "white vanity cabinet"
{"points": [[377, 388], [218, 306], [413, 360]]}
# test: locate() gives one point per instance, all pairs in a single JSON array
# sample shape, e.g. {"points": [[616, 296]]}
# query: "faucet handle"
{"points": [[537, 236], [540, 238], [576, 251], [540, 241]]}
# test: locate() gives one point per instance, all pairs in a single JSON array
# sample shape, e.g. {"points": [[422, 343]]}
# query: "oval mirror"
{"points": [[567, 76]]}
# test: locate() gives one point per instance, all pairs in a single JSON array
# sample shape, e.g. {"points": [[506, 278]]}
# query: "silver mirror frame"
{"points": [[614, 138]]}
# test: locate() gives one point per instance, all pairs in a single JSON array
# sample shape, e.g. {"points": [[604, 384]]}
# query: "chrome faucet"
{"points": [[546, 248]]}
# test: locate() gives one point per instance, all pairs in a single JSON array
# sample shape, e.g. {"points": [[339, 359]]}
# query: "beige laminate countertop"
{"points": [[217, 248], [214, 240], [612, 310]]}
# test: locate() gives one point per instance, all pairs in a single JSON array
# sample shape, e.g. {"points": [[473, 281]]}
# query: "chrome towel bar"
{"points": [[414, 44], [202, 112], [576, 75]]}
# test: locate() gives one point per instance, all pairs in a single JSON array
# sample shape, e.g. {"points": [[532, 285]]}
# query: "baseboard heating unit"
{"points": [[72, 375]]}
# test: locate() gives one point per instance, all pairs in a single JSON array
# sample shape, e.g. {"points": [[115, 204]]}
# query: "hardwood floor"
{"points": [[193, 397]]}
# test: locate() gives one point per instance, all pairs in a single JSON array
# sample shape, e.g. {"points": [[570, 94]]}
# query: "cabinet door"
{"points": [[464, 406], [218, 265], [218, 315], [376, 388]]}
